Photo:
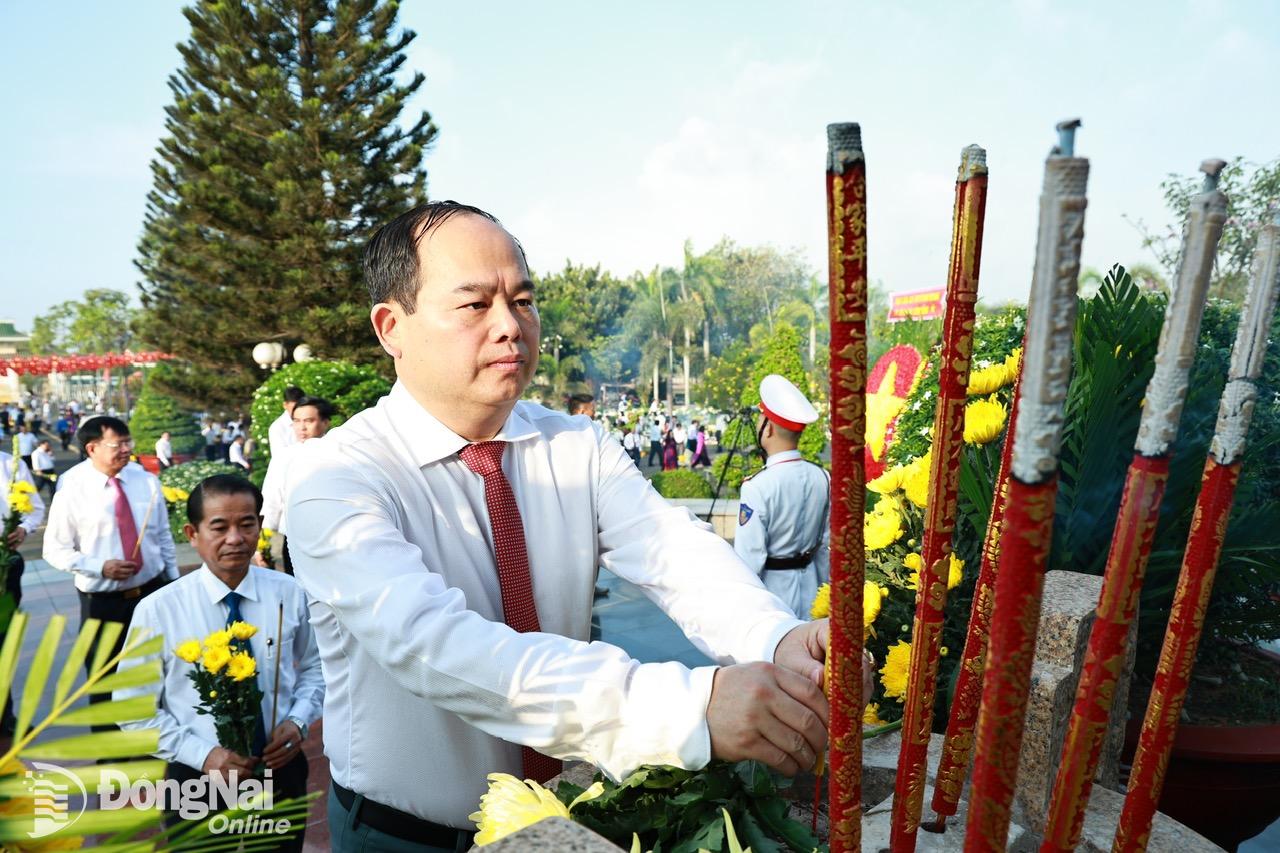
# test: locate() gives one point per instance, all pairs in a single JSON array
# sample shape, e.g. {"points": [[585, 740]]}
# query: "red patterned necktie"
{"points": [[124, 521], [518, 608]]}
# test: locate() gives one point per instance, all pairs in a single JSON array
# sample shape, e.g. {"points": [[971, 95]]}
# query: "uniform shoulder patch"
{"points": [[744, 514]]}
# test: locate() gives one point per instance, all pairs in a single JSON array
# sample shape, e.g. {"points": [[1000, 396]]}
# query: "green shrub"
{"points": [[349, 387], [186, 477], [681, 484], [155, 413]]}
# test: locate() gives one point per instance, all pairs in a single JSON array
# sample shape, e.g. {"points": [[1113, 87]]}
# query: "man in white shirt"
{"points": [[44, 466], [224, 523], [13, 576], [655, 442], [164, 450], [280, 433], [311, 416], [448, 540], [27, 441], [108, 526], [236, 454]]}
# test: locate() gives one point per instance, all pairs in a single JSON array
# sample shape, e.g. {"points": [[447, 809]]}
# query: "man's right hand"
{"points": [[222, 760], [764, 712], [119, 570]]}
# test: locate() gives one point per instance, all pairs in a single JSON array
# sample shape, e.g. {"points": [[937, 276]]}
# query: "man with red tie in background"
{"points": [[448, 540], [108, 526]]}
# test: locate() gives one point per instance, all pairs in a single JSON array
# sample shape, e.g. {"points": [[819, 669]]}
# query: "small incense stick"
{"points": [[275, 693], [151, 505]]}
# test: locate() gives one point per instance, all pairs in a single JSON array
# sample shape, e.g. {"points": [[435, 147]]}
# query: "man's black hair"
{"points": [[293, 394], [219, 485], [578, 402], [322, 406], [93, 428], [391, 257]]}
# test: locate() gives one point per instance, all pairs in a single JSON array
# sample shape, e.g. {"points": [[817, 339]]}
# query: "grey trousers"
{"points": [[348, 835]]}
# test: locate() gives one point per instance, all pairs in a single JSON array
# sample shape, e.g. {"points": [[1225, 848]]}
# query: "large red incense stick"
{"points": [[1033, 486], [1204, 547], [944, 481], [1136, 521], [847, 247], [957, 748]]}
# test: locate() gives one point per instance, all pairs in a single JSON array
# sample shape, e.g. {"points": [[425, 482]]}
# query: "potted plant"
{"points": [[157, 413]]}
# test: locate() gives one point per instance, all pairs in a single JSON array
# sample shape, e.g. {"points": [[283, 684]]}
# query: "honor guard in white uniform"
{"points": [[783, 532]]}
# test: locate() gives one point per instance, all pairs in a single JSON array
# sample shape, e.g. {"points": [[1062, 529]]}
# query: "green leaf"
{"points": [[119, 744], [147, 647], [9, 652], [75, 660], [106, 643], [101, 713], [91, 822], [15, 785], [147, 672], [38, 673], [8, 607]]}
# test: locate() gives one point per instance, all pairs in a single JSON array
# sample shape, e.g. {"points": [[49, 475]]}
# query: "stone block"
{"points": [[553, 835], [1066, 617]]}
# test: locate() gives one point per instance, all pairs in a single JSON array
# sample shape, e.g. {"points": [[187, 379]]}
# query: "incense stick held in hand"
{"points": [[151, 505], [275, 692]]}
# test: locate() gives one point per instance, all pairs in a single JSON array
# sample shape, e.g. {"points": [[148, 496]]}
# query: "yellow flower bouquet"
{"points": [[223, 672], [17, 504]]}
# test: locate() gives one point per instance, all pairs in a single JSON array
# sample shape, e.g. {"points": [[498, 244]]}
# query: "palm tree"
{"points": [[650, 325]]}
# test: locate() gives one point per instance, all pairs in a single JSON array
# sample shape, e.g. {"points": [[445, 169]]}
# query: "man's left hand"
{"points": [[285, 743], [804, 650], [17, 536]]}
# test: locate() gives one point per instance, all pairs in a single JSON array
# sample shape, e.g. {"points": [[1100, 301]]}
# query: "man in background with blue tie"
{"points": [[223, 526]]}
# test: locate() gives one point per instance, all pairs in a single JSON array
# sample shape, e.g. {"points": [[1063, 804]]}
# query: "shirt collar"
{"points": [[784, 456], [217, 590], [429, 440]]}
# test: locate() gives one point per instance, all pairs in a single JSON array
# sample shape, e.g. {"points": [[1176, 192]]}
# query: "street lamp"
{"points": [[302, 352], [269, 354]]}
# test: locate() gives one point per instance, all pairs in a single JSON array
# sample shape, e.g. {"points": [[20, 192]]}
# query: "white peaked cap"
{"points": [[783, 403]]}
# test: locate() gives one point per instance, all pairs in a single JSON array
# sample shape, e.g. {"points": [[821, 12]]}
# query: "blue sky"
{"points": [[610, 132]]}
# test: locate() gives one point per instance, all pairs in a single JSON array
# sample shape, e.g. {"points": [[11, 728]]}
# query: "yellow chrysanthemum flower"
{"points": [[989, 379], [956, 572], [872, 598], [883, 525], [821, 607], [871, 715], [218, 639], [984, 420], [888, 482], [916, 482], [511, 805], [242, 630], [213, 694], [267, 533], [893, 675], [173, 494], [242, 666], [188, 651], [216, 658], [22, 486], [1012, 362], [20, 503]]}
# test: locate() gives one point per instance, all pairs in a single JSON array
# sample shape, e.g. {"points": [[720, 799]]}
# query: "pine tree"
{"points": [[283, 153]]}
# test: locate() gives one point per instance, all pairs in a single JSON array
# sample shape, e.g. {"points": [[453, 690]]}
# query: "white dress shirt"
{"points": [[194, 607], [783, 513], [27, 442], [82, 534], [236, 455], [43, 461], [280, 434], [273, 489], [390, 537], [164, 451], [31, 520]]}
